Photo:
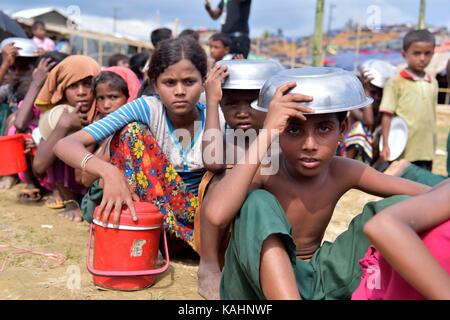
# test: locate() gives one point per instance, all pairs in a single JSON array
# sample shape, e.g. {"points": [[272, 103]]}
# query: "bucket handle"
{"points": [[96, 272]]}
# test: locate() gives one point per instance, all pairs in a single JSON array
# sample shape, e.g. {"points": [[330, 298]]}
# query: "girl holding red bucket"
{"points": [[26, 121], [159, 165]]}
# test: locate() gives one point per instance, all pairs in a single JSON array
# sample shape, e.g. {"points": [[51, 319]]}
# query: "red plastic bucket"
{"points": [[125, 257], [12, 154]]}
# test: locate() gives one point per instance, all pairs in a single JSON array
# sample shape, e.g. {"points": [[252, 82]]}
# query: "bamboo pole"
{"points": [[317, 40], [421, 24]]}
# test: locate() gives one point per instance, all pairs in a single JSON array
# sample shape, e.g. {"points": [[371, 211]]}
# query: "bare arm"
{"points": [[25, 114], [371, 181], [394, 232], [212, 144], [213, 13], [69, 122], [73, 149], [9, 54], [225, 200], [385, 127]]}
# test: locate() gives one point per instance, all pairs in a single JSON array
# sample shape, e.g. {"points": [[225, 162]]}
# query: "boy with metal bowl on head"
{"points": [[279, 220]]}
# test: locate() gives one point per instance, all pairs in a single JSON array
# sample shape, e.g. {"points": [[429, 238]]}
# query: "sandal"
{"points": [[30, 195], [53, 203]]}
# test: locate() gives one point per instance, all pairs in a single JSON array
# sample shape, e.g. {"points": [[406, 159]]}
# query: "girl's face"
{"points": [[80, 94], [108, 98], [179, 87]]}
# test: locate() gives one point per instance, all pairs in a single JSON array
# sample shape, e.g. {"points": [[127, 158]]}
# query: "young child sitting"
{"points": [[412, 256], [412, 95], [156, 148], [279, 220], [236, 108], [113, 88], [68, 83]]}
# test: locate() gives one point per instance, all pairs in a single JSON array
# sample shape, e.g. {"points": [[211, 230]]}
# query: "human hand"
{"points": [[207, 4], [366, 77], [72, 121], [40, 73], [213, 83], [385, 153], [9, 54], [284, 106], [29, 144], [116, 193], [238, 56]]}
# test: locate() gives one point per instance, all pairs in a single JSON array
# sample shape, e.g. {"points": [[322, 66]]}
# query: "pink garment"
{"points": [[60, 173], [33, 124], [130, 78], [46, 44], [379, 281]]}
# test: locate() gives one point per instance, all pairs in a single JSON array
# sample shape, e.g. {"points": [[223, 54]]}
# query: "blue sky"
{"points": [[294, 17]]}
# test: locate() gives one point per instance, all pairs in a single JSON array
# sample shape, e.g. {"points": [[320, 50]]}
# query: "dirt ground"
{"points": [[38, 228]]}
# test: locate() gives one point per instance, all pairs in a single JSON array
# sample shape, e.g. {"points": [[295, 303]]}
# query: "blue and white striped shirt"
{"points": [[150, 111]]}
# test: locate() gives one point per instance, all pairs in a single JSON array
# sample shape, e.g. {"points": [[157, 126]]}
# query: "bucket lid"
{"points": [[148, 216]]}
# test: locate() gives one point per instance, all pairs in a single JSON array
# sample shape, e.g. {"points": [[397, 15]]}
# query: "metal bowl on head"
{"points": [[27, 46], [333, 89], [249, 74], [378, 71]]}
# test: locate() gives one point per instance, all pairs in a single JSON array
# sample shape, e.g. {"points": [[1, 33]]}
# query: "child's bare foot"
{"points": [[72, 211], [7, 182], [397, 168], [208, 281]]}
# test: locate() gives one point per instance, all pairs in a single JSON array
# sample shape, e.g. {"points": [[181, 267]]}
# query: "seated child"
{"points": [[26, 120], [68, 83], [112, 88], [412, 256], [236, 108], [156, 148], [279, 220]]}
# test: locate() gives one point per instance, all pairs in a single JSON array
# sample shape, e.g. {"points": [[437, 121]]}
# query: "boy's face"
{"points": [[80, 94], [218, 50], [309, 145], [237, 110], [418, 56], [22, 68]]}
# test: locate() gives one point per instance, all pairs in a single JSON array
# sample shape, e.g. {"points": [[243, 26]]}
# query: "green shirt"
{"points": [[414, 99]]}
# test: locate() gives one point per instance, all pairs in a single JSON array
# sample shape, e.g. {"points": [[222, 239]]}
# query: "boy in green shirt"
{"points": [[412, 95]]}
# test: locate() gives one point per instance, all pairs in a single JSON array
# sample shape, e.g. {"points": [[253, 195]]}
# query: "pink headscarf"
{"points": [[130, 78]]}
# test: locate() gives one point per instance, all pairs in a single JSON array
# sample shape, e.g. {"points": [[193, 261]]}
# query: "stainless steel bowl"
{"points": [[332, 89], [378, 71], [249, 74], [27, 46]]}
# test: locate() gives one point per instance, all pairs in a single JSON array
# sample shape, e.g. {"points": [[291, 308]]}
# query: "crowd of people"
{"points": [[139, 130]]}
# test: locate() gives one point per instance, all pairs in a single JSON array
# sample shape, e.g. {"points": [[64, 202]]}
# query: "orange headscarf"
{"points": [[130, 79], [72, 69]]}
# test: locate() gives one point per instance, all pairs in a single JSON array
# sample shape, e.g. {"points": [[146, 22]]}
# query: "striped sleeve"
{"points": [[135, 111]]}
